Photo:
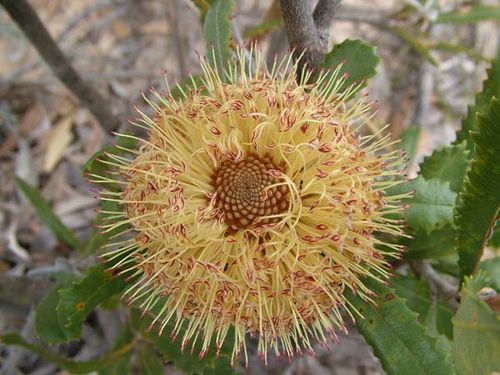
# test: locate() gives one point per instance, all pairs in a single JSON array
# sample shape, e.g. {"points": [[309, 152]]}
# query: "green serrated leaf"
{"points": [[149, 362], [416, 292], [47, 325], [479, 203], [409, 143], [359, 62], [218, 34], [438, 243], [431, 207], [448, 164], [491, 88], [476, 329], [492, 268], [74, 367], [79, 300], [494, 241], [402, 344], [474, 14], [417, 43], [187, 361], [418, 298], [46, 214]]}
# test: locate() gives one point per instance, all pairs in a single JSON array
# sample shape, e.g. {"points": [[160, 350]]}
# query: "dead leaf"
{"points": [[32, 118], [57, 140]]}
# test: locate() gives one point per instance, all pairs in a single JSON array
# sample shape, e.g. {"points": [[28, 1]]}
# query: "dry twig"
{"points": [[28, 21]]}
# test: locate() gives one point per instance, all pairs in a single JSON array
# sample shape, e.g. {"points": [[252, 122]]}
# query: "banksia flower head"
{"points": [[254, 205]]}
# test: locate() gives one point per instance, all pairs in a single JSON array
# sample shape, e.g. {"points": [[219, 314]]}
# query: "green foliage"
{"points": [[476, 329], [491, 88], [402, 344], [74, 367], [122, 365], [431, 207], [416, 292], [438, 243], [46, 214], [416, 43], [409, 143], [97, 237], [474, 14], [99, 165], [47, 325], [479, 203], [418, 297], [448, 164], [187, 360], [80, 299], [149, 361], [263, 29], [60, 315], [359, 62], [492, 268], [218, 34], [494, 241]]}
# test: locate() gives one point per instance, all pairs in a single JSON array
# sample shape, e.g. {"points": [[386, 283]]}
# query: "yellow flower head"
{"points": [[254, 205]]}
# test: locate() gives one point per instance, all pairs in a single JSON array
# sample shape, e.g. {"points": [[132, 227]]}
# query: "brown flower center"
{"points": [[249, 190]]}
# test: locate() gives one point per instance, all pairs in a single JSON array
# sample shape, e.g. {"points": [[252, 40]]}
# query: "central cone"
{"points": [[250, 191]]}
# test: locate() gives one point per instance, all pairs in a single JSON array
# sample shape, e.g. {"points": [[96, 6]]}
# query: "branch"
{"points": [[323, 16], [28, 21], [445, 288], [308, 31]]}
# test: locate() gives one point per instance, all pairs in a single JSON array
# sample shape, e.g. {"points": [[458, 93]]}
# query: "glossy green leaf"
{"points": [[218, 34], [492, 268], [448, 164], [473, 14], [80, 299], [409, 143], [491, 88], [436, 244], [431, 207], [188, 360], [74, 367], [359, 62], [47, 325], [476, 331], [479, 204], [402, 344], [46, 214]]}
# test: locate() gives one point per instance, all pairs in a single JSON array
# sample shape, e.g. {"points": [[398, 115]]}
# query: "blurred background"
{"points": [[432, 64]]}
